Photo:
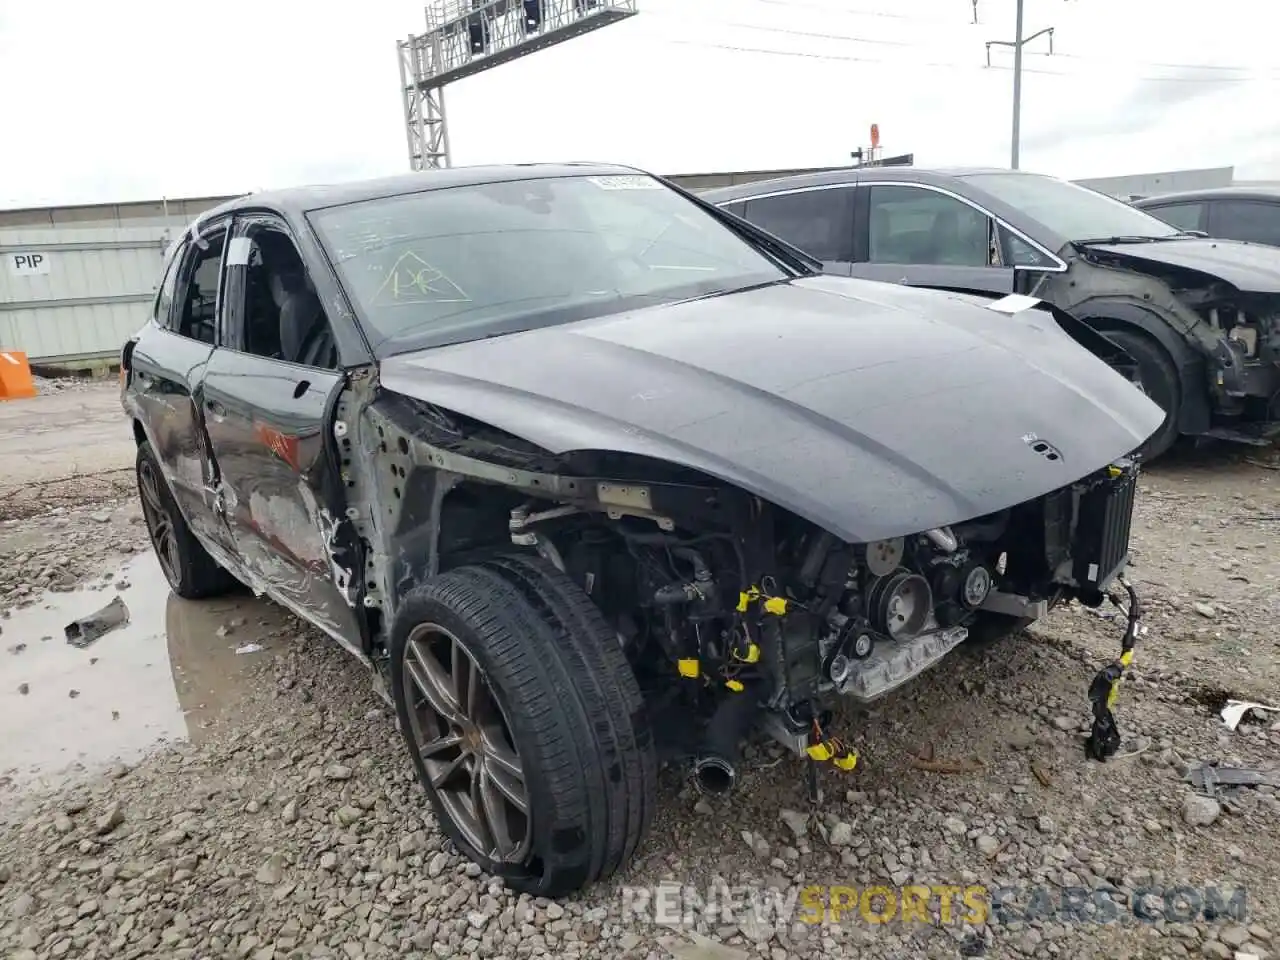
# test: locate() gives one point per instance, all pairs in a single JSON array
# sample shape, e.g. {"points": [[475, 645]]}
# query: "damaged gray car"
{"points": [[594, 476], [1199, 318]]}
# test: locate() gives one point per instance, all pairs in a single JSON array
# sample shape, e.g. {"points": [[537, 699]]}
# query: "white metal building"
{"points": [[76, 281]]}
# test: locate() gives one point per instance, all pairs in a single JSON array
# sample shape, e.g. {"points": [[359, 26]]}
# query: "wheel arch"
{"points": [[1104, 316]]}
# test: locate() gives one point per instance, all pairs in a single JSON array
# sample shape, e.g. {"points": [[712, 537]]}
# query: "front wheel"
{"points": [[1159, 381], [525, 724]]}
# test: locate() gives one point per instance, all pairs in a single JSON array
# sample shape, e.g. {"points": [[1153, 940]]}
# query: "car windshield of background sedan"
{"points": [[1068, 209], [462, 263]]}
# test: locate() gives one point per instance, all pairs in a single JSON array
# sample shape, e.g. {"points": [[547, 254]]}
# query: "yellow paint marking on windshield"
{"points": [[412, 280]]}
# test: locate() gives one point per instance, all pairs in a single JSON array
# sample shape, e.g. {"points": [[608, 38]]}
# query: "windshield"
{"points": [[1069, 209], [462, 263]]}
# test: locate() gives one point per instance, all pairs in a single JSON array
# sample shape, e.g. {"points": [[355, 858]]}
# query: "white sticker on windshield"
{"points": [[625, 182], [1014, 303], [238, 251]]}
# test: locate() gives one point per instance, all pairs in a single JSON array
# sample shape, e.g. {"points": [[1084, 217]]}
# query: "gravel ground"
{"points": [[290, 824]]}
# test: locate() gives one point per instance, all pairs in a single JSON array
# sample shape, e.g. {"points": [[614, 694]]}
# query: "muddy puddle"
{"points": [[167, 675]]}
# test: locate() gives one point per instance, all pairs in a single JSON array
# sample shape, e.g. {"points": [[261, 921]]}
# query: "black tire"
{"points": [[569, 705], [1160, 381], [191, 572]]}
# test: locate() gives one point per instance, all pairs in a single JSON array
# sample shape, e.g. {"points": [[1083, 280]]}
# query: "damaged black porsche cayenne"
{"points": [[593, 476]]}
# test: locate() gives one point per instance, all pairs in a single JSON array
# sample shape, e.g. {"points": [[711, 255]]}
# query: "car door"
{"points": [[818, 220], [168, 365], [1254, 220], [920, 236], [269, 390]]}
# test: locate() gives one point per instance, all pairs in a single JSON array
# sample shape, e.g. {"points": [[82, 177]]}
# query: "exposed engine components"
{"points": [[884, 556], [854, 640], [715, 765], [961, 589], [899, 606], [943, 539]]}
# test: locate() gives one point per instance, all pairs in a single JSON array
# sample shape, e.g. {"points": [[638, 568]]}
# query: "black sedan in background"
{"points": [[1201, 317]]}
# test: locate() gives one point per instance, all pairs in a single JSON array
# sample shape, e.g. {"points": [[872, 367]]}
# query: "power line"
{"points": [[1143, 63], [843, 11], [877, 41], [926, 64]]}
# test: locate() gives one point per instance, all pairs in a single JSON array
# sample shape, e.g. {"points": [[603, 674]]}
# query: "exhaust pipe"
{"points": [[714, 775], [715, 768]]}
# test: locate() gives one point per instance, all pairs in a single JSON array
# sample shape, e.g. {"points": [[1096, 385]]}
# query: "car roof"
{"points": [[930, 176], [299, 200], [1240, 192]]}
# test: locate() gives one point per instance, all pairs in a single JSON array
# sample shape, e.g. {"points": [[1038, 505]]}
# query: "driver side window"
{"points": [[912, 225], [283, 318]]}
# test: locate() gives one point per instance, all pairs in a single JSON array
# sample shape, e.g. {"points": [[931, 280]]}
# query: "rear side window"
{"points": [[819, 222], [162, 309], [1247, 220], [198, 288], [1184, 216]]}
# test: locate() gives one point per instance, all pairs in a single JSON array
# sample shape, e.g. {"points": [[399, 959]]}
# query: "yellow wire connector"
{"points": [[835, 752], [847, 760], [1126, 660], [774, 605]]}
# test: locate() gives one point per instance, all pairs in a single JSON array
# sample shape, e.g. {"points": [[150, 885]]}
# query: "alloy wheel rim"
{"points": [[464, 740], [159, 524]]}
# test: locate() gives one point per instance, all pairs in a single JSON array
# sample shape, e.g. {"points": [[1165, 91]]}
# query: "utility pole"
{"points": [[1017, 43]]}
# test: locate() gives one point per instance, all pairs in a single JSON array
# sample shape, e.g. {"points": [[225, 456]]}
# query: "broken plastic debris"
{"points": [[1209, 776], [1013, 303], [81, 633], [1235, 710], [250, 648]]}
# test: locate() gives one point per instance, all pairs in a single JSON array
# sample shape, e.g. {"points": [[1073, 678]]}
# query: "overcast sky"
{"points": [[141, 98]]}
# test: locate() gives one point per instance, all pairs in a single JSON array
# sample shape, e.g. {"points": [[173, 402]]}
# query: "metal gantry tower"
{"points": [[466, 37]]}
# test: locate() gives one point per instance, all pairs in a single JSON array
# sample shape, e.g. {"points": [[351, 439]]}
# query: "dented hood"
{"points": [[1249, 267], [871, 409]]}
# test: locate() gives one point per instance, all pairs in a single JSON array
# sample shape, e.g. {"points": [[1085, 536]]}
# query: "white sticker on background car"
{"points": [[624, 182], [238, 251], [1013, 303]]}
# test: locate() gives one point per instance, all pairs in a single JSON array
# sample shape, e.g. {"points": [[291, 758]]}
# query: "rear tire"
{"points": [[1160, 382], [191, 572], [546, 718]]}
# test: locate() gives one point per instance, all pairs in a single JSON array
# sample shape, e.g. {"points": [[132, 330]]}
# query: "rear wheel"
{"points": [[191, 572], [1159, 380], [525, 724]]}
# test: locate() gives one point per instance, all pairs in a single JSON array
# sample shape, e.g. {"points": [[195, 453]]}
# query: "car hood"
{"points": [[1249, 267], [871, 409]]}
